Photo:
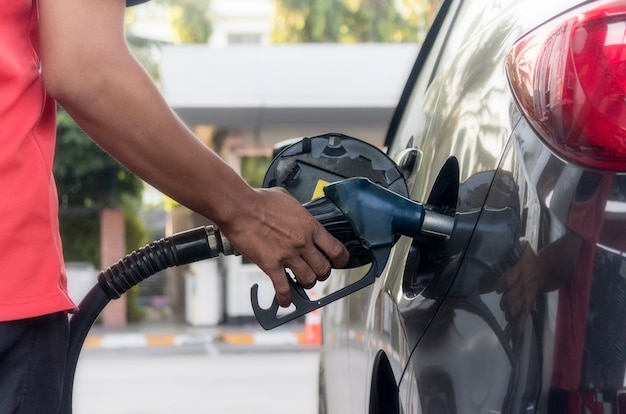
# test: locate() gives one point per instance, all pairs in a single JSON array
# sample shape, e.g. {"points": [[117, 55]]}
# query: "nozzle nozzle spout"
{"points": [[437, 224]]}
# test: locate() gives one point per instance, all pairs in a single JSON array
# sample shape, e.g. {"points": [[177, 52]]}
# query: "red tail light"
{"points": [[569, 77]]}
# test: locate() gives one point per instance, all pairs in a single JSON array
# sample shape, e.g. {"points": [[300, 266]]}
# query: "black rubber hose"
{"points": [[80, 323], [182, 248]]}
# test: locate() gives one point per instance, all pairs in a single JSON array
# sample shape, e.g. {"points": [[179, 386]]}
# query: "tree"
{"points": [[189, 19], [299, 21], [350, 21], [89, 180]]}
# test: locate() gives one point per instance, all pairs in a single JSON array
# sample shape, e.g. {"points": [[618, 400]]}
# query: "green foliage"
{"points": [[134, 312], [253, 169], [137, 235], [190, 20], [89, 180], [308, 21], [350, 21], [86, 176], [81, 239], [81, 236]]}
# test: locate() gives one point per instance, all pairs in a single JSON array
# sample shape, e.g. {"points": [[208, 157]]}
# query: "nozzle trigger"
{"points": [[268, 318]]}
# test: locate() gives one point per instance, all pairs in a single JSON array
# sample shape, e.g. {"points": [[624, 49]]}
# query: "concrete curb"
{"points": [[141, 340]]}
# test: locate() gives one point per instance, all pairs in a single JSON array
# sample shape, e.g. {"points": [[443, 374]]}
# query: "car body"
{"points": [[512, 122]]}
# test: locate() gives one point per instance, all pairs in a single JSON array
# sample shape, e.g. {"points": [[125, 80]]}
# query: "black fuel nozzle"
{"points": [[367, 219]]}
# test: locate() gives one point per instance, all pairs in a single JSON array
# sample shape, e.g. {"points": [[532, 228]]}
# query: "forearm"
{"points": [[132, 121], [137, 128]]}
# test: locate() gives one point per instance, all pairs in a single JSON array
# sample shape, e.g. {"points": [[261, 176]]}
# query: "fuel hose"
{"points": [[179, 249]]}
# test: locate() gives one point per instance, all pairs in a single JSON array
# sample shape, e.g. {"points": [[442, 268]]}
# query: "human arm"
{"points": [[88, 68]]}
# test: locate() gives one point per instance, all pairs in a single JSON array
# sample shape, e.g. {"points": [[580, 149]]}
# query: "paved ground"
{"points": [[218, 379]]}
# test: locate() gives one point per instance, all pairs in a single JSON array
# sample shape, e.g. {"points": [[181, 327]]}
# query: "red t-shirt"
{"points": [[32, 273]]}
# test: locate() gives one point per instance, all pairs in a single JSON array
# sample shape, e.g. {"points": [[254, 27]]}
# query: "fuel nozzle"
{"points": [[367, 219], [378, 215]]}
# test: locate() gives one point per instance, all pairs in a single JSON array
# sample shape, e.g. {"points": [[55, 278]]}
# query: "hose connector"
{"points": [[179, 249], [219, 244]]}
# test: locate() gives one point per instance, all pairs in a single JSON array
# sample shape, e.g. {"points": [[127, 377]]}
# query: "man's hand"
{"points": [[277, 233]]}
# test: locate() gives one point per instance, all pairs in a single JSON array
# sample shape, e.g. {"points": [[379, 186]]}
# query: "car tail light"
{"points": [[569, 78]]}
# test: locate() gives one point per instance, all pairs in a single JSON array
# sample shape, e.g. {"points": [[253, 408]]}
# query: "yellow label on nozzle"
{"points": [[319, 189]]}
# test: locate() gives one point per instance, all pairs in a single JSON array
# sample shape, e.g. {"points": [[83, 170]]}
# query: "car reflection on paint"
{"points": [[514, 115]]}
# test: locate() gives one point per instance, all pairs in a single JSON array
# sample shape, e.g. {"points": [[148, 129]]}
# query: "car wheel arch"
{"points": [[384, 396]]}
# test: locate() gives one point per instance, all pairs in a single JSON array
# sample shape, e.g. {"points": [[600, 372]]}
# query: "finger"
{"points": [[507, 280], [281, 287], [504, 303], [318, 263], [500, 284], [515, 306], [332, 248], [304, 274], [324, 277]]}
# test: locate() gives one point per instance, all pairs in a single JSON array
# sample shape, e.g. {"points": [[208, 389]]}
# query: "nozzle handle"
{"points": [[325, 211], [365, 217]]}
